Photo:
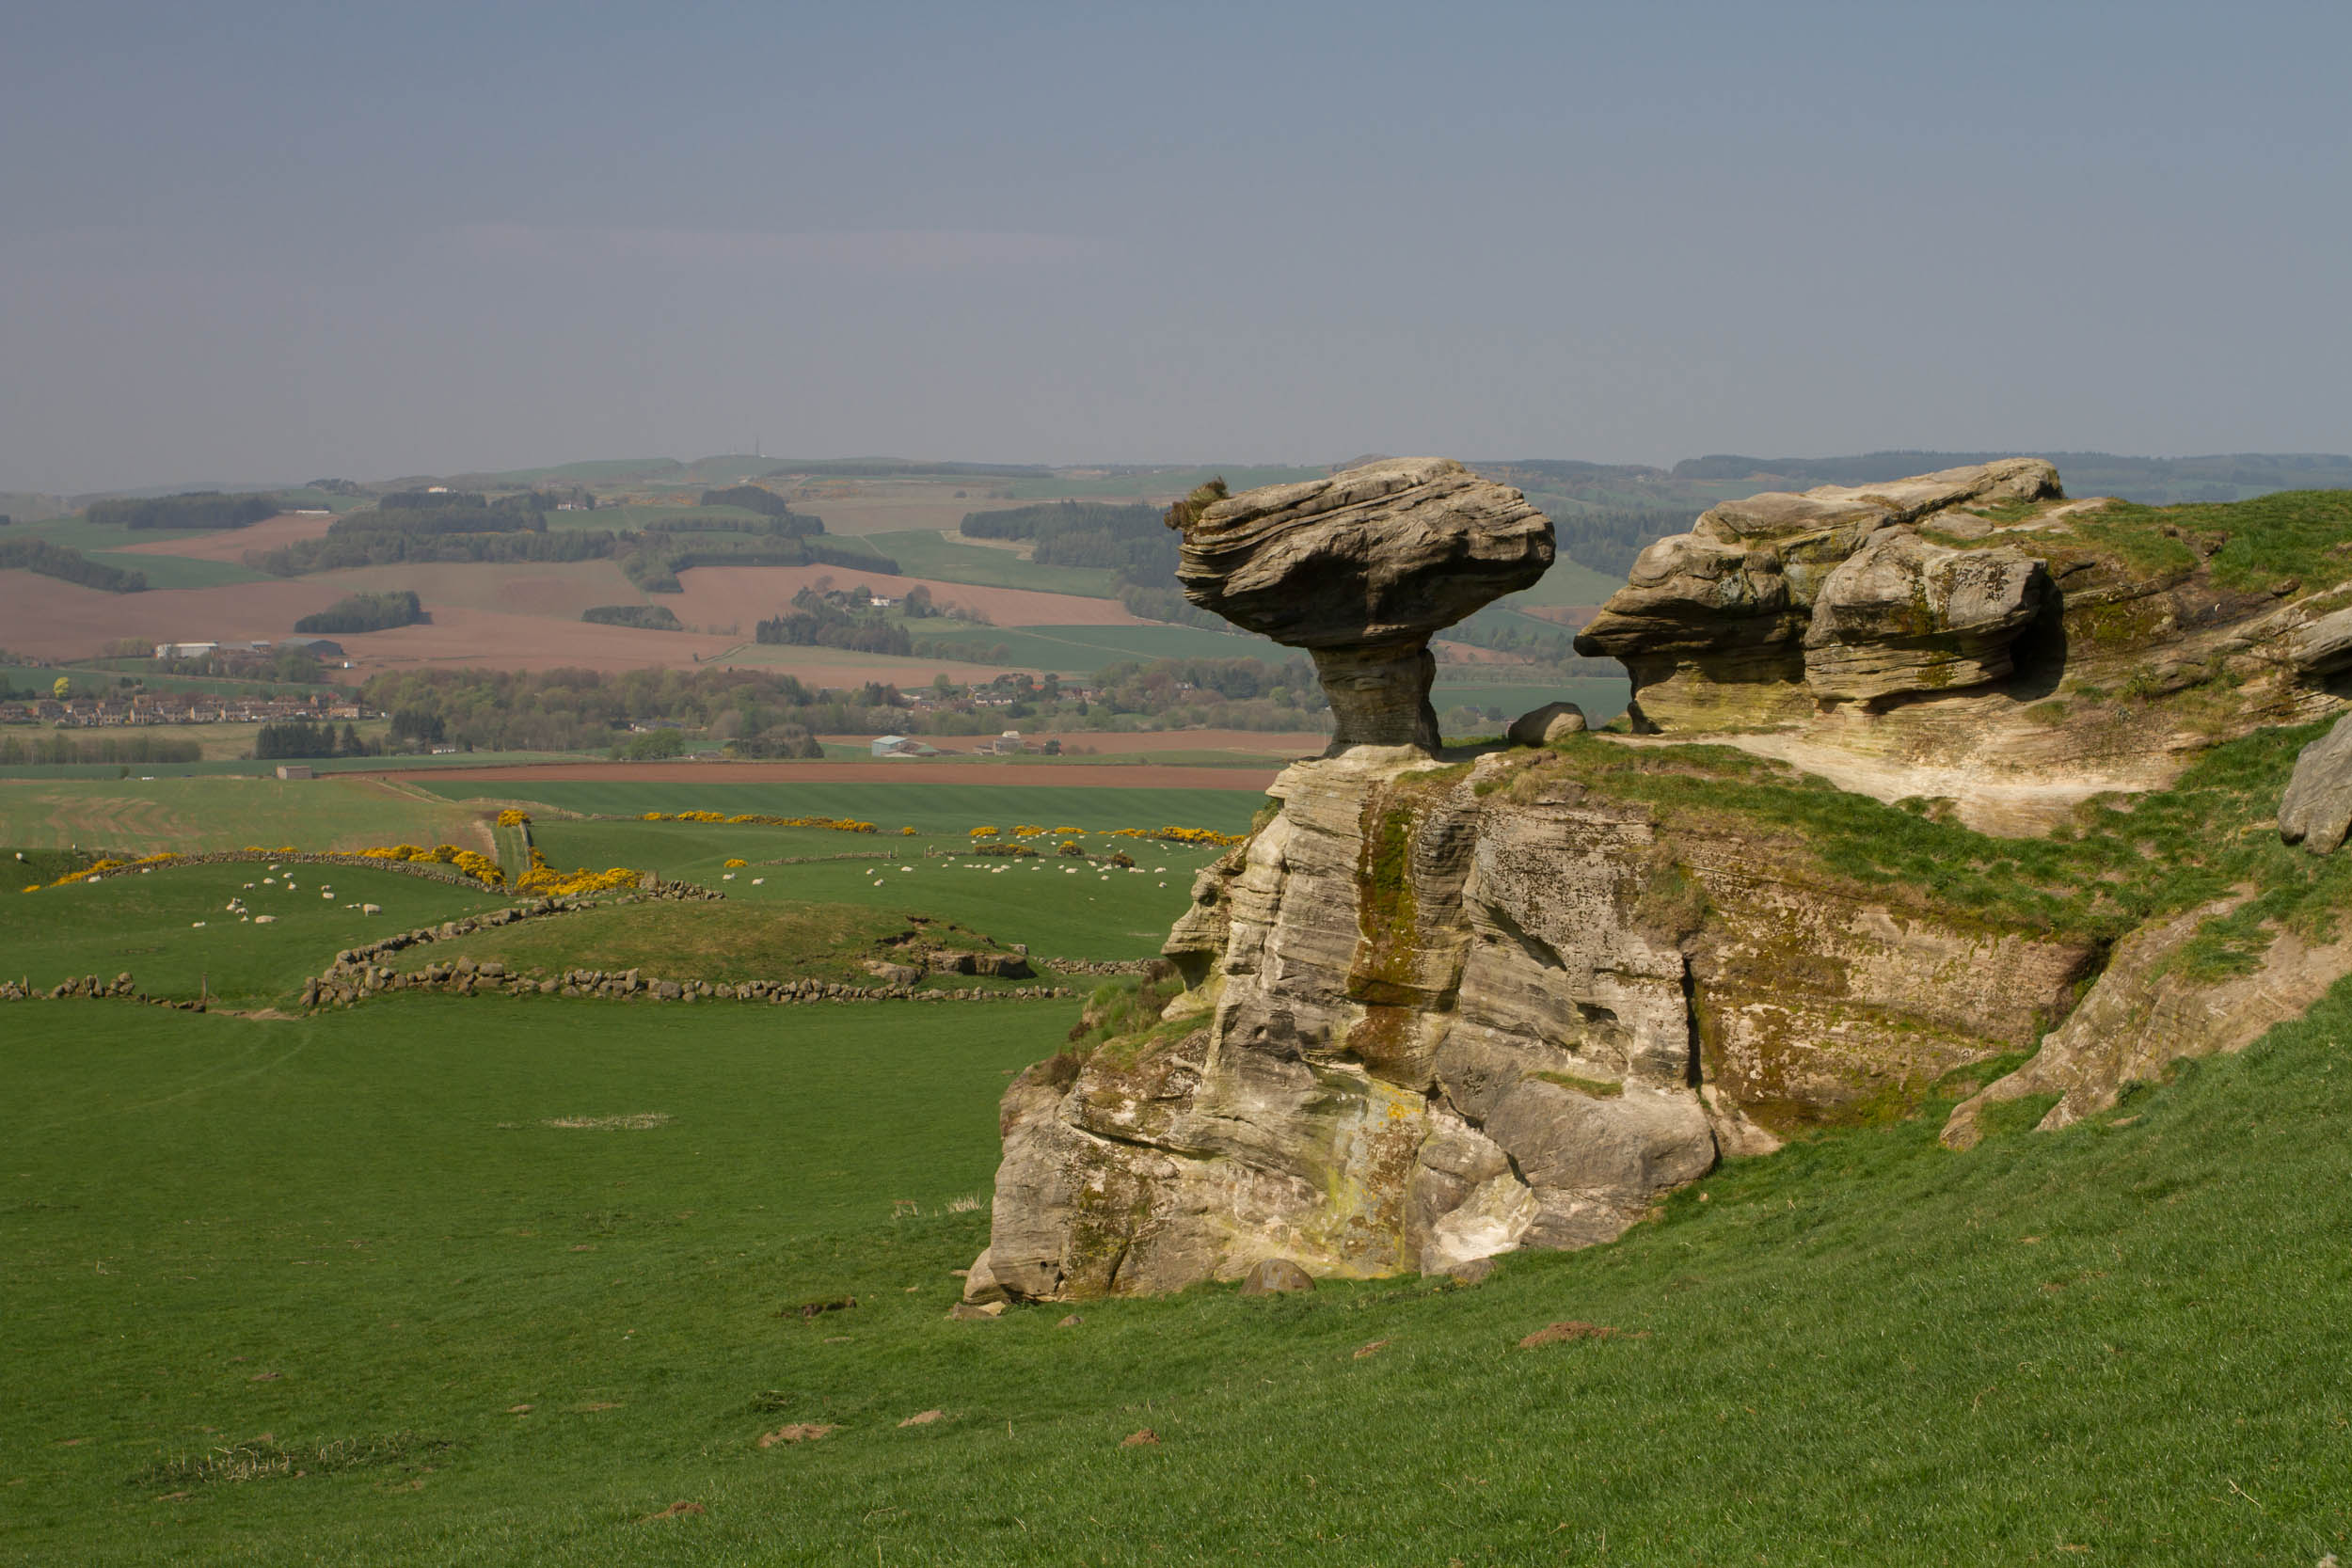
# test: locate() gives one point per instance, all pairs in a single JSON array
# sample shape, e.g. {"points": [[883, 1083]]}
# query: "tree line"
{"points": [[365, 612], [300, 738], [68, 564], [208, 510], [57, 747]]}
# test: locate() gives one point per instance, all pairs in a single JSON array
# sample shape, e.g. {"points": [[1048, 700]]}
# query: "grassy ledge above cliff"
{"points": [[2120, 862]]}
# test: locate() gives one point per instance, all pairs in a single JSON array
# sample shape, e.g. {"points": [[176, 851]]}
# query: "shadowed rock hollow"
{"points": [[1361, 569], [1439, 1009]]}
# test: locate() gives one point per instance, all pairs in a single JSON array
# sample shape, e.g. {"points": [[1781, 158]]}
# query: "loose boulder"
{"points": [[2316, 810], [1276, 1277], [1542, 727]]}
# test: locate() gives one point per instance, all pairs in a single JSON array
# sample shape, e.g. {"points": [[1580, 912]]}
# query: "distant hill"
{"points": [[2153, 480]]}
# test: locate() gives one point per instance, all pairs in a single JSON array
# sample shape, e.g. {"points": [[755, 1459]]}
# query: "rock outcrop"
{"points": [[1831, 593], [1439, 1012], [1964, 634], [1437, 1008], [2147, 1012], [1361, 569], [2316, 810]]}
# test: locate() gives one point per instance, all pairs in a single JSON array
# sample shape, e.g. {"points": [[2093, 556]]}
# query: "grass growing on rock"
{"points": [[437, 1222]]}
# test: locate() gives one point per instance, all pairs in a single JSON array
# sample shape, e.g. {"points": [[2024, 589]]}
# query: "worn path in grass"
{"points": [[2118, 1343]]}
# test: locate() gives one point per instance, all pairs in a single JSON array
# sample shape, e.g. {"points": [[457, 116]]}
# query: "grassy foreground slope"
{"points": [[506, 1282]]}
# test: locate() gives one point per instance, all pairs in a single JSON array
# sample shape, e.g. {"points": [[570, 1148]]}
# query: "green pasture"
{"points": [[726, 943], [179, 571], [922, 553], [191, 808], [148, 924], [1569, 583], [950, 809], [1601, 700], [508, 1280], [1060, 907]]}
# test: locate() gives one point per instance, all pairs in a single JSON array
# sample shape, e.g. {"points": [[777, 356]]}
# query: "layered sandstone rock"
{"points": [[2145, 1013], [1968, 635], [1442, 1012], [1361, 569], [1828, 595]]}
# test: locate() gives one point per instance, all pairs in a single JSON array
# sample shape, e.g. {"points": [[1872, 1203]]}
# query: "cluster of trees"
{"points": [[572, 710], [68, 564], [388, 545], [59, 747], [196, 509], [1608, 538], [1134, 541], [365, 612], [834, 620], [646, 617], [751, 497], [300, 738], [653, 560]]}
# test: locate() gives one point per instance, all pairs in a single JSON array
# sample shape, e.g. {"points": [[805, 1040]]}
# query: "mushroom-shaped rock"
{"points": [[1361, 569]]}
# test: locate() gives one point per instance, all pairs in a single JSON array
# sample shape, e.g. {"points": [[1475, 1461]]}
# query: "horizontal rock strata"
{"points": [[1438, 1013]]}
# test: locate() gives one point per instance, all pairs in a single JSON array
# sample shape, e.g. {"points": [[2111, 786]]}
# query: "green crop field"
{"points": [[928, 808], [1601, 700], [922, 553], [179, 571], [471, 1281], [172, 930], [223, 810]]}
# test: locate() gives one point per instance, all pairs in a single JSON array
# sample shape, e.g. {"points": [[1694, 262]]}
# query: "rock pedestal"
{"points": [[1361, 569]]}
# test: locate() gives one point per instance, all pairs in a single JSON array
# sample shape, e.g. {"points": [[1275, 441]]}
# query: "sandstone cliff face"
{"points": [[1458, 1009]]}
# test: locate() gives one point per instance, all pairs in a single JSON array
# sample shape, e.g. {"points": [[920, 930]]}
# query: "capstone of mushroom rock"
{"points": [[1361, 569]]}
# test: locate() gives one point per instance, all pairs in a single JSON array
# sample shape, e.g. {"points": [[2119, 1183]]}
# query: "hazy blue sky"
{"points": [[252, 242]]}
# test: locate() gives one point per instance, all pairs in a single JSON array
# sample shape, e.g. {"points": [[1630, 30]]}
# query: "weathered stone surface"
{"points": [[1723, 624], [1543, 725], [1361, 569], [2316, 810], [1902, 614], [2143, 1015], [980, 1282], [1276, 1277], [1457, 1011]]}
